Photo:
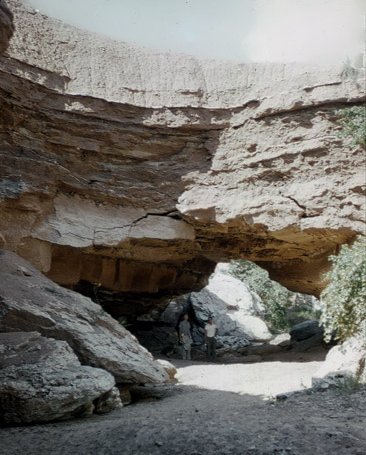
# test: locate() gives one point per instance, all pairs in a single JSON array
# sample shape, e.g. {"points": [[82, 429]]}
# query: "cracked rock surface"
{"points": [[41, 379], [138, 171]]}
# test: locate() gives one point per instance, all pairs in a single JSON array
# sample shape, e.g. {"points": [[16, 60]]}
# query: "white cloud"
{"points": [[306, 30]]}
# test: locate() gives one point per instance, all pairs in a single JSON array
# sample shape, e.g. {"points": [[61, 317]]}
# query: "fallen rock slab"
{"points": [[42, 380], [31, 302]]}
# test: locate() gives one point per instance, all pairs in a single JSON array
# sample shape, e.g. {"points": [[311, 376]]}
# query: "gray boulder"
{"points": [[305, 330], [236, 310], [31, 302], [174, 310], [41, 380]]}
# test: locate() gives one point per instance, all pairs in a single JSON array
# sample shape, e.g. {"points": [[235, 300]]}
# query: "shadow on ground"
{"points": [[193, 421]]}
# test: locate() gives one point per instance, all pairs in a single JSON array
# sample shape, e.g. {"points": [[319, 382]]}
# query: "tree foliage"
{"points": [[344, 299], [353, 124]]}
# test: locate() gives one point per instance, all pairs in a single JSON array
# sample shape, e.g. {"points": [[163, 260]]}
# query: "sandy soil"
{"points": [[265, 378], [215, 409]]}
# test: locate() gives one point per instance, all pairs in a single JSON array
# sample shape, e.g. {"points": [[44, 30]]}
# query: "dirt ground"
{"points": [[214, 409]]}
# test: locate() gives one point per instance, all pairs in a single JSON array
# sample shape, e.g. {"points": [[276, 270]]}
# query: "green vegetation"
{"points": [[344, 298], [353, 124], [283, 308]]}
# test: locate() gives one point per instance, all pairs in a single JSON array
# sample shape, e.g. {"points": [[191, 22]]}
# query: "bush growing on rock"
{"points": [[353, 124], [344, 299], [273, 295]]}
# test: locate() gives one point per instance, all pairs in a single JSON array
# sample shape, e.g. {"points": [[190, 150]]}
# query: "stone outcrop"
{"points": [[41, 379], [6, 26], [138, 171], [31, 302], [345, 362], [237, 311]]}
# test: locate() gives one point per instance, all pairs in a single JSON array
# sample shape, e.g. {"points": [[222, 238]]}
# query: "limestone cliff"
{"points": [[138, 171]]}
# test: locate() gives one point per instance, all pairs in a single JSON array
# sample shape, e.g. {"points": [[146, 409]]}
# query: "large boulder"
{"points": [[41, 379], [236, 310], [305, 330], [344, 362], [31, 302]]}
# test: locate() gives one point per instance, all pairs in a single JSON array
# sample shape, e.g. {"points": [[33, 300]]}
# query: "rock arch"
{"points": [[138, 171]]}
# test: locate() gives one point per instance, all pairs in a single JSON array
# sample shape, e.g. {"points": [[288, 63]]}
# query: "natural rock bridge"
{"points": [[139, 171]]}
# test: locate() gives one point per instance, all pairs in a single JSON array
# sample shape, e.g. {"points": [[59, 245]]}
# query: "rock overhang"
{"points": [[126, 163]]}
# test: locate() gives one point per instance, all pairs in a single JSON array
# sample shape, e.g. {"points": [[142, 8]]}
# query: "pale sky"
{"points": [[242, 30]]}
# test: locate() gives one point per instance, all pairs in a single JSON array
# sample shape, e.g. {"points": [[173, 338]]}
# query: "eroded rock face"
{"points": [[41, 380], [6, 26], [31, 302], [139, 171]]}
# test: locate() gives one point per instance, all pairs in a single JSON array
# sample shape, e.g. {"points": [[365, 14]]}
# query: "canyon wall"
{"points": [[136, 171]]}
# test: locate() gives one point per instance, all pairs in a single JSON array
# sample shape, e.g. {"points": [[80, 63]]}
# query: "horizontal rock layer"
{"points": [[138, 171]]}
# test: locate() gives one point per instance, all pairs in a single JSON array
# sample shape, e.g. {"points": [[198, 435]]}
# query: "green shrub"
{"points": [[353, 124], [344, 299], [274, 296]]}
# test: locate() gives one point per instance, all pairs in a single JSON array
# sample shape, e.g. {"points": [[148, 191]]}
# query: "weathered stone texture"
{"points": [[31, 302], [41, 379]]}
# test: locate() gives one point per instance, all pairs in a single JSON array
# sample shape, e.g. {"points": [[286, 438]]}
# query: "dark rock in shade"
{"points": [[304, 330], [157, 339], [6, 26], [175, 309], [314, 341], [31, 302], [41, 380]]}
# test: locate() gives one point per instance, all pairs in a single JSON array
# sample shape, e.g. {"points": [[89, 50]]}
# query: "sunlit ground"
{"points": [[265, 378]]}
